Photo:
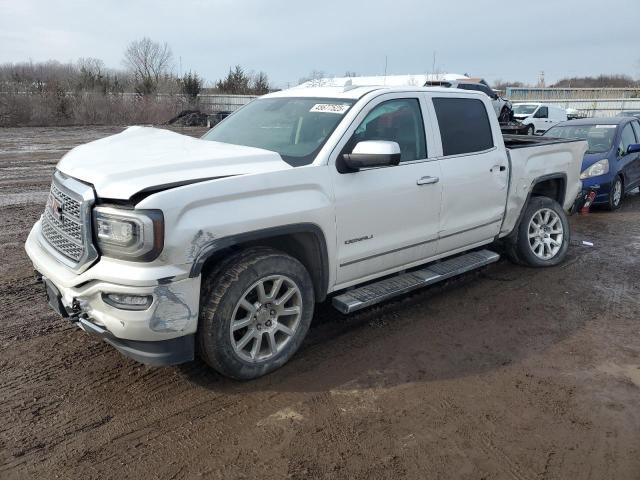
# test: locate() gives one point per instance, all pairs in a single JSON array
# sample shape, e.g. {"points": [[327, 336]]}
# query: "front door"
{"points": [[628, 162], [387, 218]]}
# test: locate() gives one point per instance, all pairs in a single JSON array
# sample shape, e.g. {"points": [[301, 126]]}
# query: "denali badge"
{"points": [[359, 239], [55, 207]]}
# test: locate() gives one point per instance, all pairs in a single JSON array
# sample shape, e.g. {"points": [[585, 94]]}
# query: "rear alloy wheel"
{"points": [[543, 234], [615, 194]]}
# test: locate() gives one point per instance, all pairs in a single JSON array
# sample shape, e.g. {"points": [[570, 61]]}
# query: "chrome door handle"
{"points": [[427, 180]]}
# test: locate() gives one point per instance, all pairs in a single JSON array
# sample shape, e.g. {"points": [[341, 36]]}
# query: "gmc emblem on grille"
{"points": [[55, 207]]}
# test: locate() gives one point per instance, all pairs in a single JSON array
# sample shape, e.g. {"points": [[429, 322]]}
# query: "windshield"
{"points": [[524, 109], [296, 128], [599, 137]]}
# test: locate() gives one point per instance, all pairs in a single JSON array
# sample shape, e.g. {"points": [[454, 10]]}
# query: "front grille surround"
{"points": [[67, 233]]}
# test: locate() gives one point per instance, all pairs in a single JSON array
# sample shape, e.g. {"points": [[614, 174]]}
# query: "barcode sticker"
{"points": [[330, 108]]}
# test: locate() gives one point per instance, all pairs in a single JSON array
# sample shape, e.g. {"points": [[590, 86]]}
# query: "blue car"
{"points": [[611, 165]]}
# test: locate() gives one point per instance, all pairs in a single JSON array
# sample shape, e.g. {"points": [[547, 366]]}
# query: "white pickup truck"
{"points": [[166, 246]]}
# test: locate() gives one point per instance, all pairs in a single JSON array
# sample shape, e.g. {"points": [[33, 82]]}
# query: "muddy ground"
{"points": [[508, 373]]}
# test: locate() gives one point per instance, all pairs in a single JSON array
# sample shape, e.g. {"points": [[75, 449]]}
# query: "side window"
{"points": [[464, 125], [626, 138], [395, 121], [543, 112]]}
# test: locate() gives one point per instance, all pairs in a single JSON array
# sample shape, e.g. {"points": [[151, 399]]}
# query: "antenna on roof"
{"points": [[385, 69]]}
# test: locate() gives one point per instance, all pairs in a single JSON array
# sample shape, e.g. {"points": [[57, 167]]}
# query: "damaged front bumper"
{"points": [[162, 333], [584, 200]]}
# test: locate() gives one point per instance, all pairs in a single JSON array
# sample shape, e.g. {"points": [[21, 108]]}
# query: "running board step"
{"points": [[373, 293]]}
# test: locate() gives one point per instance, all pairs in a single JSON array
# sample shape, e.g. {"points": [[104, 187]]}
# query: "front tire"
{"points": [[531, 130], [543, 234], [255, 313], [615, 194]]}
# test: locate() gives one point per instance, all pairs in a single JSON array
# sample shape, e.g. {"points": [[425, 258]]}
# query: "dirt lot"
{"points": [[507, 373]]}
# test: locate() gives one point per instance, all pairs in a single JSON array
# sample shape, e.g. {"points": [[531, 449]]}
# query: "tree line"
{"points": [[146, 88]]}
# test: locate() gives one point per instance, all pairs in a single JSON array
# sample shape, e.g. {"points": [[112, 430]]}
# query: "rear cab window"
{"points": [[464, 125]]}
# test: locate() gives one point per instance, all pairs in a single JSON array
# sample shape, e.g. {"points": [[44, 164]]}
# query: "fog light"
{"points": [[127, 302]]}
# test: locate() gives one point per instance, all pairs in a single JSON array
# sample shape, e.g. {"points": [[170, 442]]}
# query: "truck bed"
{"points": [[522, 141], [532, 158]]}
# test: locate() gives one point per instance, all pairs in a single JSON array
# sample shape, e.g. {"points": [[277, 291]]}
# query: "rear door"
{"points": [[388, 217], [474, 169]]}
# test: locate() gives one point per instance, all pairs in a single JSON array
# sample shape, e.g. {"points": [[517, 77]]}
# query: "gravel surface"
{"points": [[509, 372]]}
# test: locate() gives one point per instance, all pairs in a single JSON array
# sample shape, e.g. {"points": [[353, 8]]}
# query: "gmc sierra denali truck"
{"points": [[167, 246]]}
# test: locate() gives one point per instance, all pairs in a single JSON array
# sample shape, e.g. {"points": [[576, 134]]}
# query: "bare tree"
{"points": [[260, 83], [148, 61]]}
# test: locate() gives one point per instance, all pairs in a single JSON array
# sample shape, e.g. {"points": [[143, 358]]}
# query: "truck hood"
{"points": [[142, 159]]}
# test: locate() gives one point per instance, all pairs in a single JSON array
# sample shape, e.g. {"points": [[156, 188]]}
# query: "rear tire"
{"points": [[543, 234], [256, 311]]}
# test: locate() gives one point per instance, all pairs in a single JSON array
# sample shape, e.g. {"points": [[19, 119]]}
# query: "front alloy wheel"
{"points": [[266, 318], [256, 309], [615, 197]]}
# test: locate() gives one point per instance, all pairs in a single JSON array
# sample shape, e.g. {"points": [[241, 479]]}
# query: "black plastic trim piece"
{"points": [[225, 242], [158, 354]]}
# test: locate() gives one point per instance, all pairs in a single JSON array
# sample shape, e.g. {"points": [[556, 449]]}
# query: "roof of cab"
{"points": [[354, 92]]}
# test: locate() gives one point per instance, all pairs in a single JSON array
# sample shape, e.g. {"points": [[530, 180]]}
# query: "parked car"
{"points": [[611, 165], [501, 106], [630, 113], [158, 242], [538, 117], [573, 114]]}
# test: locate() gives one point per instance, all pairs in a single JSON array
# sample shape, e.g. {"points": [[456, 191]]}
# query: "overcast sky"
{"points": [[493, 39]]}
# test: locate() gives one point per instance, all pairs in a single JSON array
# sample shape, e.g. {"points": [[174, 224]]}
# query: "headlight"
{"points": [[136, 235], [599, 168]]}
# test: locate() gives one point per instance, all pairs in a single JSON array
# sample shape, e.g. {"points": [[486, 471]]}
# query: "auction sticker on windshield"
{"points": [[338, 108], [606, 126]]}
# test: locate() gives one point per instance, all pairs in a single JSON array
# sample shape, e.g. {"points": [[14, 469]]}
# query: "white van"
{"points": [[538, 117]]}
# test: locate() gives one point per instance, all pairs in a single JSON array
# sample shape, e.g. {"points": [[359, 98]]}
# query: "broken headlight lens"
{"points": [[599, 168], [136, 235]]}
